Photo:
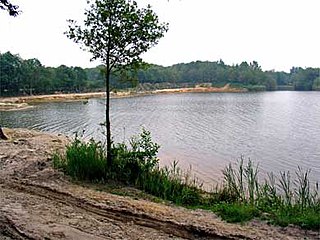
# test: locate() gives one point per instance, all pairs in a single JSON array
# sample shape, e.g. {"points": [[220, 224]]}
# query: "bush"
{"points": [[83, 161], [240, 198], [134, 164], [139, 158], [236, 212], [169, 183]]}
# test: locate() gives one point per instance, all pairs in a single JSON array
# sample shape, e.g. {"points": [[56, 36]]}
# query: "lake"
{"points": [[277, 130]]}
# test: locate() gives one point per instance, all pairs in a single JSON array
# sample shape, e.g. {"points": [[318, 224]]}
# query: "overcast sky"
{"points": [[278, 34]]}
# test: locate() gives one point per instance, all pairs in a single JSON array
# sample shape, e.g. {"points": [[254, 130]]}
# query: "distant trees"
{"points": [[216, 73], [303, 78], [26, 77], [31, 70], [316, 84], [10, 73]]}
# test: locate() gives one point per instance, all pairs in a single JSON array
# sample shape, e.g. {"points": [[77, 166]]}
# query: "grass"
{"points": [[285, 200], [235, 212], [281, 200], [135, 165], [83, 161]]}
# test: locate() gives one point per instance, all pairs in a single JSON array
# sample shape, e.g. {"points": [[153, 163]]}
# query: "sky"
{"points": [[278, 34]]}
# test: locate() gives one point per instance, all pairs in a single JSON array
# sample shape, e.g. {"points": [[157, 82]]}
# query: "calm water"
{"points": [[278, 130]]}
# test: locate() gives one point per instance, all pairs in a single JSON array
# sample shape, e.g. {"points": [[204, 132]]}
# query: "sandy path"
{"points": [[37, 202]]}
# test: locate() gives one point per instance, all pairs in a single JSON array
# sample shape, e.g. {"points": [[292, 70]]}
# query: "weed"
{"points": [[83, 161], [236, 212], [239, 198], [287, 201]]}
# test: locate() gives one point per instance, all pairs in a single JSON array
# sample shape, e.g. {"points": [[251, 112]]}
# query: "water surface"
{"points": [[278, 130]]}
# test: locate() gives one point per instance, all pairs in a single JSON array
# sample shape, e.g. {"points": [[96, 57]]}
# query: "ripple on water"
{"points": [[278, 130]]}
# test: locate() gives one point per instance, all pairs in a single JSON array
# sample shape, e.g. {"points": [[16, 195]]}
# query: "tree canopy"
{"points": [[28, 76]]}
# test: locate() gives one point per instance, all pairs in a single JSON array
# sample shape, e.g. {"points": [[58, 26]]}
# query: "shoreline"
{"points": [[40, 202], [23, 102]]}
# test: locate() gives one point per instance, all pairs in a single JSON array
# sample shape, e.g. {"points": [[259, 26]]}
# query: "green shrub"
{"points": [[236, 212], [240, 198], [83, 161], [168, 183], [307, 219], [140, 157], [287, 201]]}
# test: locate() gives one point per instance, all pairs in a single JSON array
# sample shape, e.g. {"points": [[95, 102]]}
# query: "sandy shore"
{"points": [[23, 102], [51, 97], [38, 202], [225, 89]]}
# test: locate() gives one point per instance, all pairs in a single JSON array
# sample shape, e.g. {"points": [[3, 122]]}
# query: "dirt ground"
{"points": [[37, 202]]}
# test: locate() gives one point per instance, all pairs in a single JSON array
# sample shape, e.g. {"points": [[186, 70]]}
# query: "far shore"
{"points": [[22, 102]]}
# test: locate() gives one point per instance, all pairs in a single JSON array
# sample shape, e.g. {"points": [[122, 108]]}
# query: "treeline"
{"points": [[247, 75], [21, 77], [27, 77]]}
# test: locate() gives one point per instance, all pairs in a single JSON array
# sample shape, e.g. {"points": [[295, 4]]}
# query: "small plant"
{"points": [[242, 185], [135, 160], [83, 161], [236, 212], [171, 183], [240, 198], [286, 201]]}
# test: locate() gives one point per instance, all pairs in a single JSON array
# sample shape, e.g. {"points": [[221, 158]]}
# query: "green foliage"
{"points": [[236, 212], [316, 84], [171, 183], [21, 77], [242, 197], [285, 200], [241, 184], [117, 32], [139, 158], [303, 78], [136, 164], [83, 161], [307, 219], [28, 77]]}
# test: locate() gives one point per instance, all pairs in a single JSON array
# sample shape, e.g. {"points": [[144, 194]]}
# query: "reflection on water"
{"points": [[278, 130]]}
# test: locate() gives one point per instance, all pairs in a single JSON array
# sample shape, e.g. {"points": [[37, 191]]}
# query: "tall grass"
{"points": [[171, 183], [135, 164], [83, 161], [283, 199], [287, 201]]}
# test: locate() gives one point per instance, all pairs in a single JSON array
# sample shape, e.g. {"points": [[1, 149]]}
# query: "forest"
{"points": [[28, 77]]}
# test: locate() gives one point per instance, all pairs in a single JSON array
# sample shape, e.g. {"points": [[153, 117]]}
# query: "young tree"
{"points": [[116, 32]]}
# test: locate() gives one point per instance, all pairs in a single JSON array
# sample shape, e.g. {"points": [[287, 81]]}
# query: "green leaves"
{"points": [[117, 32]]}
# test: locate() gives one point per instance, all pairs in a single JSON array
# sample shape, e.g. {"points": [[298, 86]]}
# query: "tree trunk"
{"points": [[108, 128], [2, 136]]}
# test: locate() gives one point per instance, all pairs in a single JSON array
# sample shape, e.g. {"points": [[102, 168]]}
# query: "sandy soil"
{"points": [[226, 88], [37, 202], [20, 103]]}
